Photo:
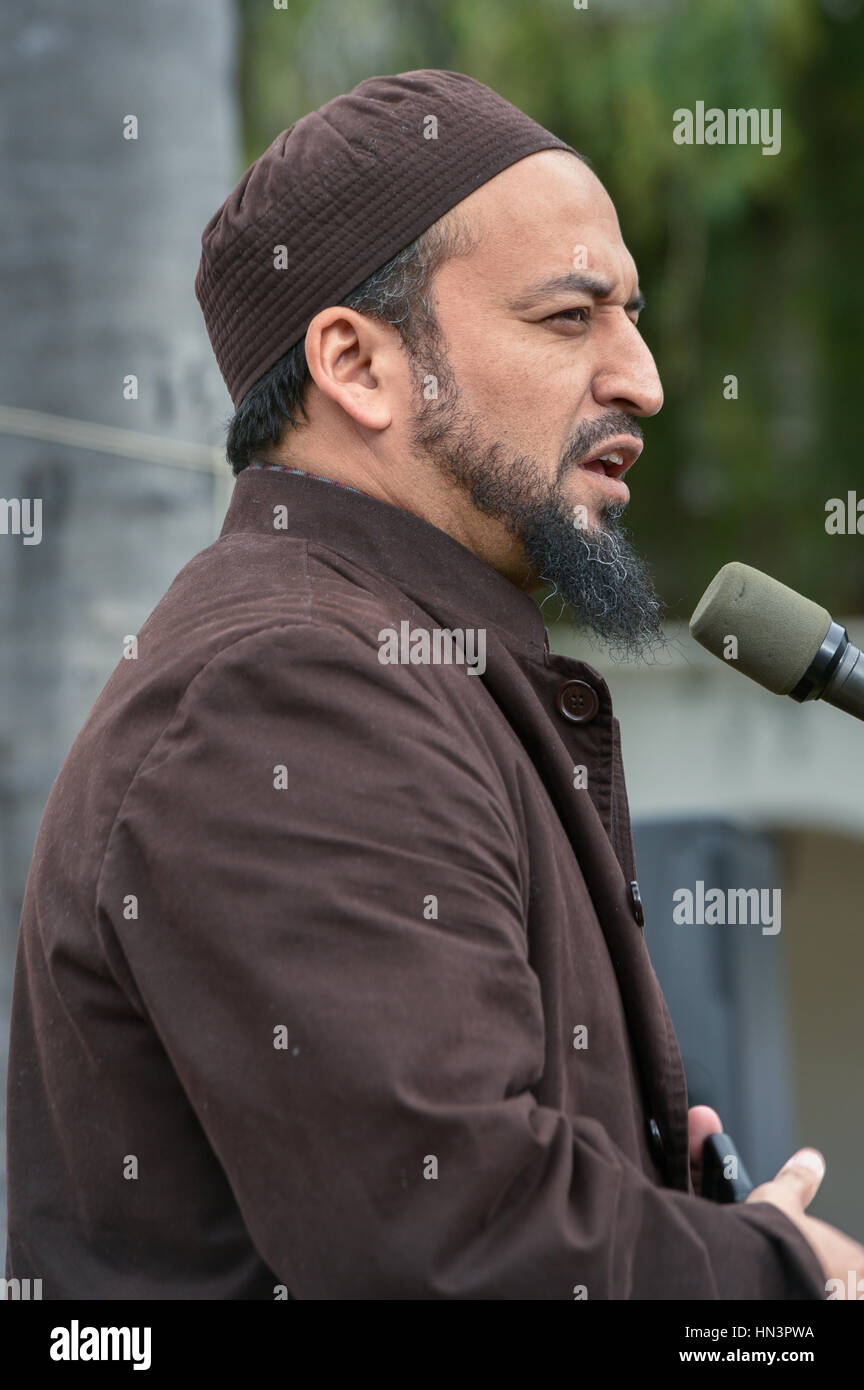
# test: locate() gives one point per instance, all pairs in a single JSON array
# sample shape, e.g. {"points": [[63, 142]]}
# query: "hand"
{"points": [[792, 1190], [702, 1121]]}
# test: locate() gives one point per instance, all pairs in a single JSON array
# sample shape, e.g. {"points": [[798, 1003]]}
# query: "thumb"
{"points": [[799, 1178]]}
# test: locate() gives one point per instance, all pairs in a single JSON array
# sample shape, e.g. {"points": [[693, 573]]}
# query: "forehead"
{"points": [[532, 218]]}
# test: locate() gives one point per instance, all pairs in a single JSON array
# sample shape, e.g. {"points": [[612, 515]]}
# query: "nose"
{"points": [[627, 378]]}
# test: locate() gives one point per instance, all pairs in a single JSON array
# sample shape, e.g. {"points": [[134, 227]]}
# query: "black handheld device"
{"points": [[724, 1177]]}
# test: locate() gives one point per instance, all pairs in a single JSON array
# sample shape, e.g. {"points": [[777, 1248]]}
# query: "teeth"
{"points": [[611, 458]]}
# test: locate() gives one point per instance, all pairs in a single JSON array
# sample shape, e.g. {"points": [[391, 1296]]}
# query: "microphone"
{"points": [[785, 642]]}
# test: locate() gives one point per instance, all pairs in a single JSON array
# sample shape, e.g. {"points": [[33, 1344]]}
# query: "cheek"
{"points": [[518, 406], [534, 397], [549, 381], [493, 378]]}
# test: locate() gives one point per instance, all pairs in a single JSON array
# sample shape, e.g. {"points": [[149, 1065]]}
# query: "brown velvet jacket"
{"points": [[330, 982]]}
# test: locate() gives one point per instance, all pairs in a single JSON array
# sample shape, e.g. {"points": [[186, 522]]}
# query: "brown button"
{"points": [[636, 898], [655, 1143], [577, 701]]}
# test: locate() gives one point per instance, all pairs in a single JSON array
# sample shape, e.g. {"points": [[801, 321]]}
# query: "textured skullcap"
{"points": [[344, 190]]}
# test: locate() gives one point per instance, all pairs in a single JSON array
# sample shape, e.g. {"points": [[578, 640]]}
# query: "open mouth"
{"points": [[610, 466], [614, 461]]}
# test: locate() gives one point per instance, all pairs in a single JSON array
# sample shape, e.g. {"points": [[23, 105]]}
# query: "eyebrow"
{"points": [[569, 284]]}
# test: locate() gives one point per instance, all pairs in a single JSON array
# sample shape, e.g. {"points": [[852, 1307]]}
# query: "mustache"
{"points": [[592, 434]]}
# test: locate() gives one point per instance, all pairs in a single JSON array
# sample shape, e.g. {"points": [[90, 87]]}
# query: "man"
{"points": [[331, 981]]}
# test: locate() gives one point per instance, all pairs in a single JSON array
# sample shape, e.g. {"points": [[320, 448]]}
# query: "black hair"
{"points": [[399, 293]]}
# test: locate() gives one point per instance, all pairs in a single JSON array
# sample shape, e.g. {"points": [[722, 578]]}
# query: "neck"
{"points": [[435, 502]]}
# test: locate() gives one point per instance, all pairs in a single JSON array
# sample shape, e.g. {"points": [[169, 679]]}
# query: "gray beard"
{"points": [[594, 572]]}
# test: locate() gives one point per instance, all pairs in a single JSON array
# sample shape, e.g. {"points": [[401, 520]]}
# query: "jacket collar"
{"points": [[434, 570]]}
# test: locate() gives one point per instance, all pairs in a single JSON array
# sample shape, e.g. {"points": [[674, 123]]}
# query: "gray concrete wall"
{"points": [[99, 243]]}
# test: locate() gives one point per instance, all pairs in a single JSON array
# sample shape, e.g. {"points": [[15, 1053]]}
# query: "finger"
{"points": [[802, 1174], [702, 1121]]}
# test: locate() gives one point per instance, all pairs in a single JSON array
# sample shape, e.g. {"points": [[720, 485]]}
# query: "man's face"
{"points": [[541, 369]]}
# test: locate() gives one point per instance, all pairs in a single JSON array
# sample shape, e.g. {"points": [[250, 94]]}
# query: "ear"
{"points": [[355, 361]]}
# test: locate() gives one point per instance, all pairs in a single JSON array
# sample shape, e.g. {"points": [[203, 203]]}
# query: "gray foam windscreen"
{"points": [[778, 632]]}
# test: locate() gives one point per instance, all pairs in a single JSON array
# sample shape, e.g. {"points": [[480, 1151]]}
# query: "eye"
{"points": [[581, 315]]}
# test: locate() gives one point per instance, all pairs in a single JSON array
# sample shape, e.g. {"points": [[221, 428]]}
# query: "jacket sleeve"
{"points": [[331, 945]]}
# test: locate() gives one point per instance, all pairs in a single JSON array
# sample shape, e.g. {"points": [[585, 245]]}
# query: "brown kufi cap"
{"points": [[343, 190]]}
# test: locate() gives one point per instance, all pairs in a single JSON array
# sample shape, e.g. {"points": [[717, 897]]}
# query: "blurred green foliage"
{"points": [[749, 263]]}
